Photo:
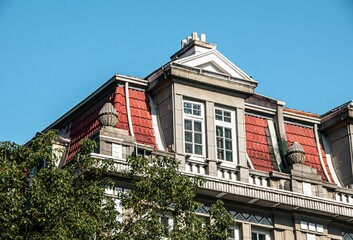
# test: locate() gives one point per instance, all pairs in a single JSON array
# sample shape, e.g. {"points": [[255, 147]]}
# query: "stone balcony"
{"points": [[258, 192]]}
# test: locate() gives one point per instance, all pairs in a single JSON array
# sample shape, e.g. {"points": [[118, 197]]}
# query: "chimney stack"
{"points": [[193, 45], [194, 37]]}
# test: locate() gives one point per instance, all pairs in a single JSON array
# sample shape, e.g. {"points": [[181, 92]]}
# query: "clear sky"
{"points": [[55, 53]]}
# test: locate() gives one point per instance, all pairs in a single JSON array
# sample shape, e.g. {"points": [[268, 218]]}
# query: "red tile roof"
{"points": [[120, 106], [141, 117], [86, 124], [256, 143], [305, 136]]}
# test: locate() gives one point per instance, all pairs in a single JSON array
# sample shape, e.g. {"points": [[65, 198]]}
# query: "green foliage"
{"points": [[69, 203], [53, 203], [160, 189], [221, 220]]}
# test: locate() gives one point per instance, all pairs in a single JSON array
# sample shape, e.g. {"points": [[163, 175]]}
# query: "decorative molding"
{"points": [[347, 236], [243, 217]]}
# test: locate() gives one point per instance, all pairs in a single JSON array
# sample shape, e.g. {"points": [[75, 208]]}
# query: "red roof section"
{"points": [[256, 143], [120, 106], [305, 136], [141, 117], [86, 124]]}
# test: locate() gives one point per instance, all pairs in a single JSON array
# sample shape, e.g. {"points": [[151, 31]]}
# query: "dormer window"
{"points": [[193, 127], [225, 134]]}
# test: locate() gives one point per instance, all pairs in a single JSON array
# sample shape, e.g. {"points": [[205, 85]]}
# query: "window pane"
{"points": [[187, 105], [229, 156], [198, 138], [188, 148], [187, 110], [227, 119], [231, 233], [197, 106], [254, 236], [196, 112], [198, 149], [219, 131], [218, 114], [262, 236], [228, 144], [226, 114], [228, 133], [220, 142], [188, 124], [188, 136], [220, 154], [197, 126]]}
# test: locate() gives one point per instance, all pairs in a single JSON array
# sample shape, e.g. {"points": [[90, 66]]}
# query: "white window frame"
{"points": [[170, 222], [230, 125], [194, 118], [236, 231], [261, 231]]}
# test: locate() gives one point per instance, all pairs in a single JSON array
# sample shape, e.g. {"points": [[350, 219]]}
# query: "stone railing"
{"points": [[257, 188], [195, 167], [280, 197], [259, 178], [344, 195], [227, 173], [120, 164]]}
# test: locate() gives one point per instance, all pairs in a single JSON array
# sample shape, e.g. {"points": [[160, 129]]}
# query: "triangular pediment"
{"points": [[213, 61], [212, 66]]}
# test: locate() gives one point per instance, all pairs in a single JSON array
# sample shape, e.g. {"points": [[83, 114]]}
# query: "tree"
{"points": [[53, 203], [160, 190], [48, 202]]}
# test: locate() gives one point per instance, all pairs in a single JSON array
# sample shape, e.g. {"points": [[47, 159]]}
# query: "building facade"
{"points": [[282, 173]]}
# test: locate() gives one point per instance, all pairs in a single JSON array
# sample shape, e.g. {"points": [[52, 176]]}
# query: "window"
{"points": [[260, 235], [140, 152], [168, 222], [193, 127], [225, 134], [233, 233]]}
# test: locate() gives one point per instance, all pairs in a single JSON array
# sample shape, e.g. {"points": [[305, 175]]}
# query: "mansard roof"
{"points": [[135, 116], [82, 121]]}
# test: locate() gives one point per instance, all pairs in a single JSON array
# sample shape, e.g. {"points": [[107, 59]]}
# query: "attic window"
{"points": [[225, 134], [140, 152], [193, 127]]}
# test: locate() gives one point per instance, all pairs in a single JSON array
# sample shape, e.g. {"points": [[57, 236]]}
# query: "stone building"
{"points": [[282, 173]]}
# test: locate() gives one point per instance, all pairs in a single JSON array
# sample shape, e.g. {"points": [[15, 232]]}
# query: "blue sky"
{"points": [[55, 53]]}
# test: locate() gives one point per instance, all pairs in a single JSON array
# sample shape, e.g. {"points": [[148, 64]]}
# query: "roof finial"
{"points": [[108, 116], [296, 154]]}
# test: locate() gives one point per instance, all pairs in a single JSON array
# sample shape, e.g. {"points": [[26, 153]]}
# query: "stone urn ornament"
{"points": [[108, 116], [295, 154]]}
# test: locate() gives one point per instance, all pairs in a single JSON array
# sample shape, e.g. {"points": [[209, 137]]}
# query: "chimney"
{"points": [[193, 45]]}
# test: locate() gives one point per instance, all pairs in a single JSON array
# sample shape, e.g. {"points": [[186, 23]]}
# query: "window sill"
{"points": [[195, 159], [227, 164]]}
